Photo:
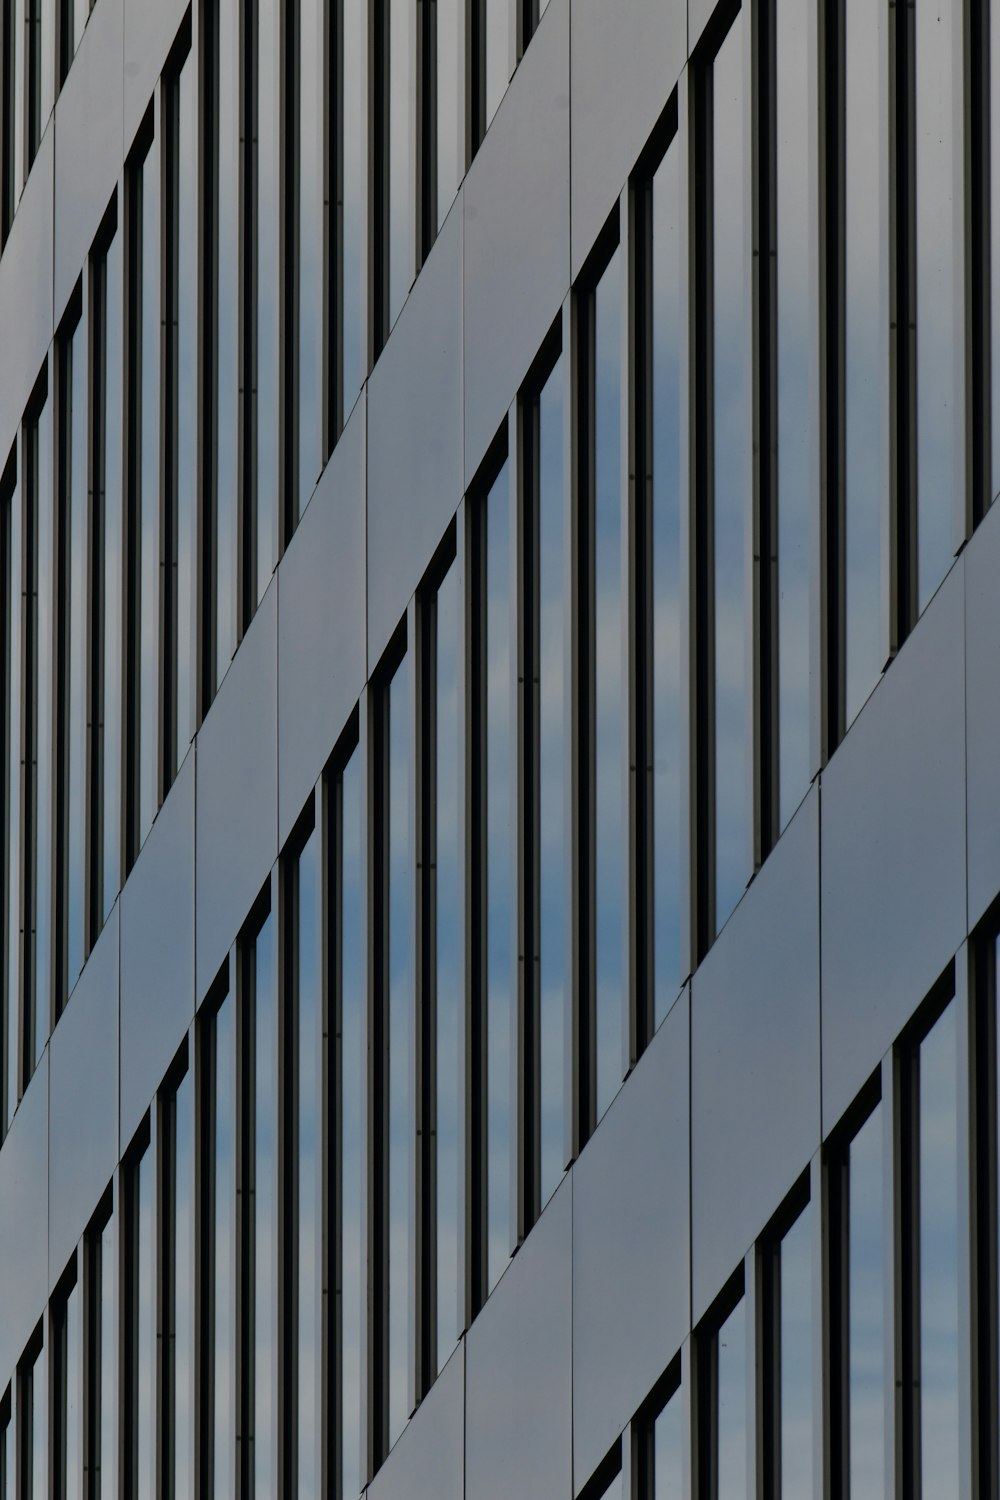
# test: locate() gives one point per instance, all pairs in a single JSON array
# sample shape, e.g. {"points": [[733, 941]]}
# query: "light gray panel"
{"points": [[88, 143], [755, 1067], [518, 1370], [83, 1110], [236, 832], [26, 293], [157, 988], [631, 1306], [428, 1460], [645, 43], [982, 706], [150, 28], [321, 622], [516, 232], [893, 875], [24, 1220], [415, 429]]}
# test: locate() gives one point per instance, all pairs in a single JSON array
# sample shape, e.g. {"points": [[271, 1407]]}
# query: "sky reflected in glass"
{"points": [[867, 1312], [400, 1010], [450, 975], [732, 1414], [939, 1293]]}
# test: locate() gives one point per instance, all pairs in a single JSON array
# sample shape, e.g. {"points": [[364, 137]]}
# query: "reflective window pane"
{"points": [[8, 1447], [553, 750], [227, 327], [731, 472], [111, 521], [311, 293], [449, 986], [797, 1358], [732, 1412], [43, 498], [108, 1294], [13, 604], [499, 20], [866, 1301], [939, 1279], [45, 20], [666, 597], [940, 314], [81, 10], [610, 706], [668, 1451], [794, 328], [402, 19], [224, 1147], [310, 1126], [450, 77], [400, 1010], [35, 1428], [19, 19], [864, 481], [149, 502], [351, 1069], [187, 398], [499, 873], [269, 54], [354, 193], [72, 1453], [144, 1303], [265, 1023], [75, 512], [184, 1295]]}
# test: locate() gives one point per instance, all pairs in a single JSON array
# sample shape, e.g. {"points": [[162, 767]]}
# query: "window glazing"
{"points": [[866, 1361], [226, 288], [400, 1039], [142, 1308], [186, 474], [731, 1453], [312, 215], [182, 1233], [107, 1316], [498, 21], [450, 69], [265, 1225], [42, 702], [353, 208], [796, 1302], [270, 51], [12, 866], [71, 1396], [146, 747], [939, 1257], [110, 282], [349, 1286], [310, 1125], [668, 1451], [8, 1447], [402, 45], [223, 1249], [76, 504]]}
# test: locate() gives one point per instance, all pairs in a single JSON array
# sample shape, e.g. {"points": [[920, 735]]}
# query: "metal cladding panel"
{"points": [[517, 257], [428, 1461], [83, 1114], [645, 42], [415, 437], [321, 623], [755, 1061], [982, 712], [236, 818], [631, 1274], [26, 293], [24, 1221], [518, 1427], [150, 29], [157, 954], [88, 147], [893, 841]]}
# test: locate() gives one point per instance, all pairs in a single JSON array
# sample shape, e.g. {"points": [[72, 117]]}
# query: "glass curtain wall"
{"points": [[399, 1036], [221, 1249], [184, 501], [311, 320], [866, 1359], [267, 228], [40, 698], [308, 1153], [347, 918], [13, 605], [147, 266], [939, 1256], [75, 638], [260, 1049], [226, 284], [109, 364]]}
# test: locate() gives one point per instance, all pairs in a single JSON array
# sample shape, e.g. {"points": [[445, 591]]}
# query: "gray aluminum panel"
{"points": [[88, 144], [516, 232], [321, 623], [428, 1461], [893, 830], [755, 1065], [83, 1112], [150, 29], [631, 1281], [415, 426], [982, 709], [157, 963], [645, 42], [24, 1220], [519, 1370], [26, 294], [236, 832]]}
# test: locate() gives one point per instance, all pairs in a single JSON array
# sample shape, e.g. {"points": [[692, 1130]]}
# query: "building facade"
{"points": [[500, 806]]}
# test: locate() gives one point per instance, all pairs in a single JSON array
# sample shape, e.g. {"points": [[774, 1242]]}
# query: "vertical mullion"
{"points": [[379, 184], [207, 358], [902, 324], [427, 128], [289, 971], [29, 752], [170, 197], [476, 1163], [983, 1313], [288, 116], [832, 675], [976, 239], [165, 1259], [245, 1216], [378, 1102], [94, 590], [331, 1115], [901, 1162], [205, 1290], [333, 225], [62, 517], [246, 485], [425, 1010], [131, 613]]}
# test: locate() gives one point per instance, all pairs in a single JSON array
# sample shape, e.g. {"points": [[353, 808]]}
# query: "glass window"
{"points": [[81, 10], [186, 482], [668, 1451], [794, 329], [227, 283], [312, 318], [353, 979], [499, 683], [106, 1318], [110, 468], [939, 1279], [867, 1312], [148, 618], [76, 636], [402, 17], [732, 1408], [796, 1304], [68, 1323], [499, 20], [310, 1128], [354, 205], [610, 704], [32, 1421], [666, 592], [449, 985], [14, 604], [268, 228], [142, 1306], [553, 752], [43, 650], [19, 19], [940, 312], [450, 133], [864, 480], [265, 1183], [182, 1234], [732, 616], [223, 1148], [8, 1447], [399, 1014]]}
